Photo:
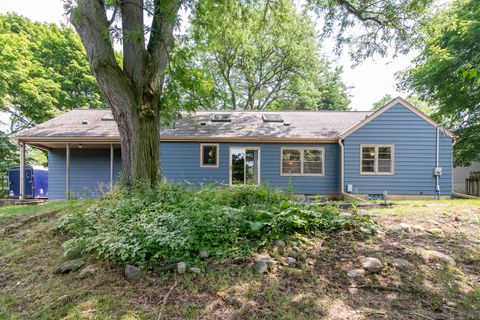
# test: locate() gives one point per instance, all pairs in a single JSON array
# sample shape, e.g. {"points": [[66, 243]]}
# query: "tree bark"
{"points": [[133, 92]]}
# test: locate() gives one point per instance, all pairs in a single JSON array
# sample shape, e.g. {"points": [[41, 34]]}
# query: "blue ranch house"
{"points": [[396, 150]]}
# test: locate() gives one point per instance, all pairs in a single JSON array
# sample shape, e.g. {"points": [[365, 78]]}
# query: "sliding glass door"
{"points": [[244, 165]]}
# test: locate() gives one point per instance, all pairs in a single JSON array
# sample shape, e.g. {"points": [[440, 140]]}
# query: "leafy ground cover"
{"points": [[173, 223], [31, 249]]}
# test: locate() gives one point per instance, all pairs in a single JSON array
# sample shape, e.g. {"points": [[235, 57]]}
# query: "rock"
{"points": [[356, 273], [240, 313], [70, 265], [2, 232], [181, 267], [260, 266], [418, 228], [451, 304], [195, 270], [240, 260], [86, 272], [405, 227], [371, 264], [279, 243], [290, 260], [293, 254], [132, 273], [433, 254], [399, 263], [366, 231], [168, 267], [435, 231], [203, 254]]}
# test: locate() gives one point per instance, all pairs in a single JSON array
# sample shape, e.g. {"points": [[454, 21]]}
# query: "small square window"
{"points": [[209, 155], [376, 159]]}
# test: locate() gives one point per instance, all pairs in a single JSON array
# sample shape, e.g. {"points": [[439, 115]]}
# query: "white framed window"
{"points": [[209, 154], [296, 161], [376, 159]]}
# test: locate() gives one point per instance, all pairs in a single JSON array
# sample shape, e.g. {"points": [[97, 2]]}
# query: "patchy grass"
{"points": [[10, 211], [31, 250]]}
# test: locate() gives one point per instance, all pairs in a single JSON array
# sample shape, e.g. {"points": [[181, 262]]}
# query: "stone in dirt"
{"points": [[2, 232], [132, 273], [240, 260], [433, 254], [371, 264], [290, 260], [88, 271], [405, 227], [356, 273], [241, 313], [70, 265], [399, 263], [293, 254], [203, 254], [260, 266], [195, 270], [366, 231], [181, 267], [279, 243], [418, 228], [435, 231]]}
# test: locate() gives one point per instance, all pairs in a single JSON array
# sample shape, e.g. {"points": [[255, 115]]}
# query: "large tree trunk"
{"points": [[133, 92]]}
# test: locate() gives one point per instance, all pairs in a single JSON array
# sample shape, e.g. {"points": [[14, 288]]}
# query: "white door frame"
{"points": [[230, 161]]}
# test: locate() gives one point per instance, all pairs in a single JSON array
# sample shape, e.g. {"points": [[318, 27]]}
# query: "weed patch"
{"points": [[173, 223]]}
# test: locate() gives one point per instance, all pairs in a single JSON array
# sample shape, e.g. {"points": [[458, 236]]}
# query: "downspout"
{"points": [[342, 157], [437, 164]]}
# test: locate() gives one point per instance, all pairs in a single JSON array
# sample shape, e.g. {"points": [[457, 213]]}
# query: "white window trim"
{"points": [[375, 166], [216, 165], [301, 174], [230, 182]]}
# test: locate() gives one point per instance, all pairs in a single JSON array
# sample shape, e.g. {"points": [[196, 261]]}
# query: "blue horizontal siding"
{"points": [[181, 162], [414, 142], [89, 172]]}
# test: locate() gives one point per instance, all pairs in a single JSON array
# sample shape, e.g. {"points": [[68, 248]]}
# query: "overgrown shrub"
{"points": [[174, 222]]}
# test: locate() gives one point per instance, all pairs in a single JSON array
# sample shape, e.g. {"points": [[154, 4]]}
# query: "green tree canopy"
{"points": [[414, 100], [43, 71], [252, 56], [447, 73]]}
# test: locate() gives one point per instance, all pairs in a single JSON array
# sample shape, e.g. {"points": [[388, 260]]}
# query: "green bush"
{"points": [[173, 222]]}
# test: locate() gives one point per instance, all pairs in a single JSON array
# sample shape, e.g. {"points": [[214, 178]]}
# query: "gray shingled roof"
{"points": [[245, 124]]}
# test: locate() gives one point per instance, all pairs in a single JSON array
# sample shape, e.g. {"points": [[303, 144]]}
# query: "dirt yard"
{"points": [[430, 254]]}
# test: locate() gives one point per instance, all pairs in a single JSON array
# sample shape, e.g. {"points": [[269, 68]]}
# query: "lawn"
{"points": [[30, 251]]}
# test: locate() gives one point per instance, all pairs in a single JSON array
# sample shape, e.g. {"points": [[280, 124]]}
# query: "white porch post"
{"points": [[111, 166], [22, 170], [67, 171]]}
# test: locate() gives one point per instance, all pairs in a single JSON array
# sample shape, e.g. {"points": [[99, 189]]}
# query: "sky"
{"points": [[370, 81]]}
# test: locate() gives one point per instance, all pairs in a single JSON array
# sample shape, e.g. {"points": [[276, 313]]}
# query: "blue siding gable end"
{"points": [[414, 141]]}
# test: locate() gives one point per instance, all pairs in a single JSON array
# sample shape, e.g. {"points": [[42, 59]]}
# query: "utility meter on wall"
{"points": [[437, 171]]}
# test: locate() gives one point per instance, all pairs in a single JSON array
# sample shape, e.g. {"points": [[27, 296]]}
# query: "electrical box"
{"points": [[437, 171], [349, 188]]}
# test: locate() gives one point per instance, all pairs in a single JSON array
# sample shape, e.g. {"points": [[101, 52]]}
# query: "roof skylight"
{"points": [[221, 117], [272, 117]]}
